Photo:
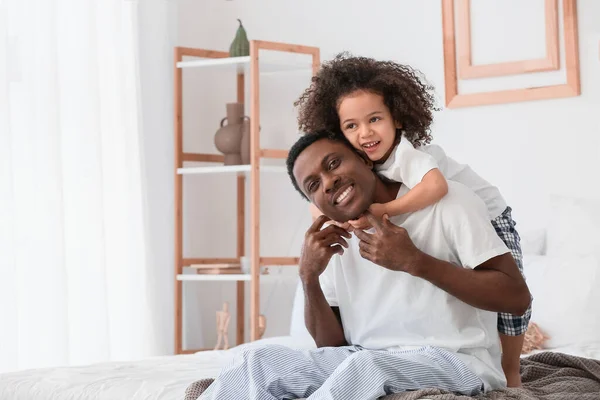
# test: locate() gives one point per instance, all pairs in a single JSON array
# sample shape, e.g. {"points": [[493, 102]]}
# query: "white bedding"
{"points": [[164, 378]]}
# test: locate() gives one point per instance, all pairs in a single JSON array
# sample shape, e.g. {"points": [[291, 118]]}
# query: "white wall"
{"points": [[529, 150]]}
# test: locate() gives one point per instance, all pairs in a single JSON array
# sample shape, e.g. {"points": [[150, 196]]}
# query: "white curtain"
{"points": [[74, 283]]}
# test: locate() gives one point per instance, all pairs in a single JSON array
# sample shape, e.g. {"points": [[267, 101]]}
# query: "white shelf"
{"points": [[218, 169], [232, 277], [214, 62], [241, 64]]}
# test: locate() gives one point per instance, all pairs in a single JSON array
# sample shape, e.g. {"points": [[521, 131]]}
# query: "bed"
{"points": [[562, 265], [160, 378]]}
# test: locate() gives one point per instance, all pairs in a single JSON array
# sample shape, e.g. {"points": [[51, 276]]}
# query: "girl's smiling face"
{"points": [[367, 123]]}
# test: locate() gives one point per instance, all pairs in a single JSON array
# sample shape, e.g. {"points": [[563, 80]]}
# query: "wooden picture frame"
{"points": [[570, 89], [466, 69]]}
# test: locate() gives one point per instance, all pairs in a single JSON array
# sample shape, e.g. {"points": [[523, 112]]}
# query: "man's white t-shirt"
{"points": [[384, 309], [409, 165]]}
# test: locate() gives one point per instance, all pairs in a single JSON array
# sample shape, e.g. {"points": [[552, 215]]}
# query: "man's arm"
{"points": [[495, 285], [318, 248], [321, 319]]}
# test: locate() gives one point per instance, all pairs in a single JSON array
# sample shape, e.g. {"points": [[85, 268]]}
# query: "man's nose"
{"points": [[330, 182]]}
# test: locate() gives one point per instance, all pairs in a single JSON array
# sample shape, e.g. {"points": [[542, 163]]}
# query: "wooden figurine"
{"points": [[223, 318], [262, 325]]}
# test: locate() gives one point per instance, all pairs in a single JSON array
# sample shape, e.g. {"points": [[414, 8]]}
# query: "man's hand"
{"points": [[319, 246], [389, 246]]}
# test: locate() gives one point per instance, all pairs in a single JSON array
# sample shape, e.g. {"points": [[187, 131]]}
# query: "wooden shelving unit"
{"points": [[241, 66]]}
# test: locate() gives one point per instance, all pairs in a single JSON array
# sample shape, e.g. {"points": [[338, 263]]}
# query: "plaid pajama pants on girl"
{"points": [[508, 324]]}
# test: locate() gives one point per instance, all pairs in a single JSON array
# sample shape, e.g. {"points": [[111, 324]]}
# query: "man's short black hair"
{"points": [[301, 145]]}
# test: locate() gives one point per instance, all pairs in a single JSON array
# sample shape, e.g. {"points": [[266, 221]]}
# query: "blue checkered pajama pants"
{"points": [[351, 372], [508, 324]]}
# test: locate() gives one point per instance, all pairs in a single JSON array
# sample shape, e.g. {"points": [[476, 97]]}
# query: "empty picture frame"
{"points": [[466, 70], [570, 89]]}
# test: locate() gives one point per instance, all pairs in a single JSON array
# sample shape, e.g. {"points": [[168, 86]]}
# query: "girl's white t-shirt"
{"points": [[409, 165]]}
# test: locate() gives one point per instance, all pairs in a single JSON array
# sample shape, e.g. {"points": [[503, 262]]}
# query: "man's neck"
{"points": [[385, 191]]}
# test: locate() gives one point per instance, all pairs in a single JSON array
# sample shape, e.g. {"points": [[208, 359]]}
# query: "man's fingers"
{"points": [[364, 236], [333, 229], [366, 247], [334, 239], [365, 255], [337, 249], [375, 222], [318, 224], [386, 221]]}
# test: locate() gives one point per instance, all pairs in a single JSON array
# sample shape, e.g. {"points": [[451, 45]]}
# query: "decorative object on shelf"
{"points": [[223, 318], [216, 269], [245, 145], [240, 46], [262, 325], [228, 138]]}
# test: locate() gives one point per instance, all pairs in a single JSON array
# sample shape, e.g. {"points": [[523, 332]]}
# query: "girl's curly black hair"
{"points": [[408, 96]]}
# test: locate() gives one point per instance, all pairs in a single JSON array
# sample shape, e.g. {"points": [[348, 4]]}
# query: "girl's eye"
{"points": [[334, 163], [375, 119], [351, 126]]}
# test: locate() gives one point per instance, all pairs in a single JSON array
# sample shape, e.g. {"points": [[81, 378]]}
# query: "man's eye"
{"points": [[334, 163], [313, 186]]}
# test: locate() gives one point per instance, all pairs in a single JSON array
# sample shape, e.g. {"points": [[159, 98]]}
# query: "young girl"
{"points": [[385, 110]]}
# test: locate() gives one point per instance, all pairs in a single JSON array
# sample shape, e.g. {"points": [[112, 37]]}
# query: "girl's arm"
{"points": [[429, 191]]}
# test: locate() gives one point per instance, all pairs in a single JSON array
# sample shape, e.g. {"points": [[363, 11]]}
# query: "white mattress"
{"points": [[164, 378]]}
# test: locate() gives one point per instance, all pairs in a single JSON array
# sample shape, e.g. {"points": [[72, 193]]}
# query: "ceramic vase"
{"points": [[228, 138]]}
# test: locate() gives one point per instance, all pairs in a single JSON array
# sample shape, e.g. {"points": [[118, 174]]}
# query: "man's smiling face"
{"points": [[336, 179]]}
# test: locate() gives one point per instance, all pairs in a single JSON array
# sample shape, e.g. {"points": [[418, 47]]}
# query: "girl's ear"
{"points": [[398, 125]]}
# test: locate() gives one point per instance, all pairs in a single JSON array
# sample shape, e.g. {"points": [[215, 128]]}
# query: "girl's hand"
{"points": [[361, 223], [378, 210], [344, 225]]}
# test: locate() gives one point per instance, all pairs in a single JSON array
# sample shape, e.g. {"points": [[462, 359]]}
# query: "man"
{"points": [[401, 307]]}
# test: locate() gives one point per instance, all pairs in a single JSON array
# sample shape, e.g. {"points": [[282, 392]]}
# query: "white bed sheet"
{"points": [[588, 351], [160, 378]]}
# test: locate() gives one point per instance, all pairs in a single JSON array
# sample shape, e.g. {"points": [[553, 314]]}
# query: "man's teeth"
{"points": [[343, 195], [371, 144]]}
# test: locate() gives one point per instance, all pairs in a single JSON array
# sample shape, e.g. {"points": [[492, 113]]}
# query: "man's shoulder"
{"points": [[462, 199]]}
